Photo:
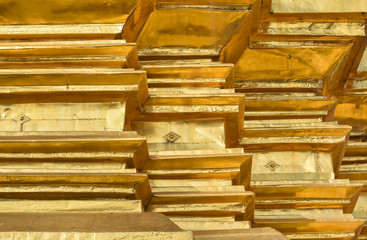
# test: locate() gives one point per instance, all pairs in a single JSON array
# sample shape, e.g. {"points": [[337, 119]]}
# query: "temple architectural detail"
{"points": [[183, 119]]}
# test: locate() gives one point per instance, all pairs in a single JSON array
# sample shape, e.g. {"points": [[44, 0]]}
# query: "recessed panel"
{"points": [[62, 116], [290, 166], [182, 135]]}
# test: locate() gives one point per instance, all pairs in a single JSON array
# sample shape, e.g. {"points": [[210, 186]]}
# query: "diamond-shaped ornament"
{"points": [[171, 137], [272, 165], [22, 118]]}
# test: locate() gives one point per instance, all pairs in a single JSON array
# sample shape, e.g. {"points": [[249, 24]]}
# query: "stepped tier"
{"points": [[63, 20], [311, 228], [75, 192], [223, 111], [351, 104], [350, 110], [219, 163], [253, 234], [288, 107], [212, 24], [208, 75], [337, 195], [90, 226], [354, 163], [308, 210], [202, 192], [56, 150], [326, 137], [208, 166], [74, 95], [353, 168], [77, 53]]}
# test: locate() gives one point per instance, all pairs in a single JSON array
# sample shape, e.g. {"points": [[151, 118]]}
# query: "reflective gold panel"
{"points": [[64, 12]]}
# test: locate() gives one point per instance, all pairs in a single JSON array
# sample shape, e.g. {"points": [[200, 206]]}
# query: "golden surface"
{"points": [[63, 116], [254, 233], [215, 75], [105, 226], [64, 12], [87, 53], [80, 142], [189, 28], [144, 235], [61, 31], [317, 6], [71, 206], [314, 28], [286, 63]]}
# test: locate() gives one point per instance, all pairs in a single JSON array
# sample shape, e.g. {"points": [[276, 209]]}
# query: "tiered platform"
{"points": [[187, 119]]}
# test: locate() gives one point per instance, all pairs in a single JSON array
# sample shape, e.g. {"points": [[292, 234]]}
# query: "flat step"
{"points": [[190, 182], [203, 204], [78, 225], [77, 146], [327, 137], [199, 189], [230, 166], [225, 111], [277, 85], [74, 186], [289, 103], [73, 84], [338, 228], [207, 226], [238, 234], [343, 196], [70, 206], [185, 75], [82, 53]]}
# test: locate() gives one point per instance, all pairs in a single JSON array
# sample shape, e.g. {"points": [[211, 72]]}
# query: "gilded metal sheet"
{"points": [[199, 209], [360, 210], [288, 6], [363, 65], [301, 196], [182, 135], [253, 234], [351, 110], [190, 182], [315, 228], [189, 71], [70, 206], [94, 53], [66, 31], [314, 28], [199, 225], [69, 76], [63, 116], [69, 142], [286, 63], [198, 161], [78, 225], [146, 235], [64, 12], [292, 165], [189, 28], [209, 2]]}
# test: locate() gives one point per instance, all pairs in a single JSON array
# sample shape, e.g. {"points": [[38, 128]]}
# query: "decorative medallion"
{"points": [[272, 165], [22, 118], [171, 137]]}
